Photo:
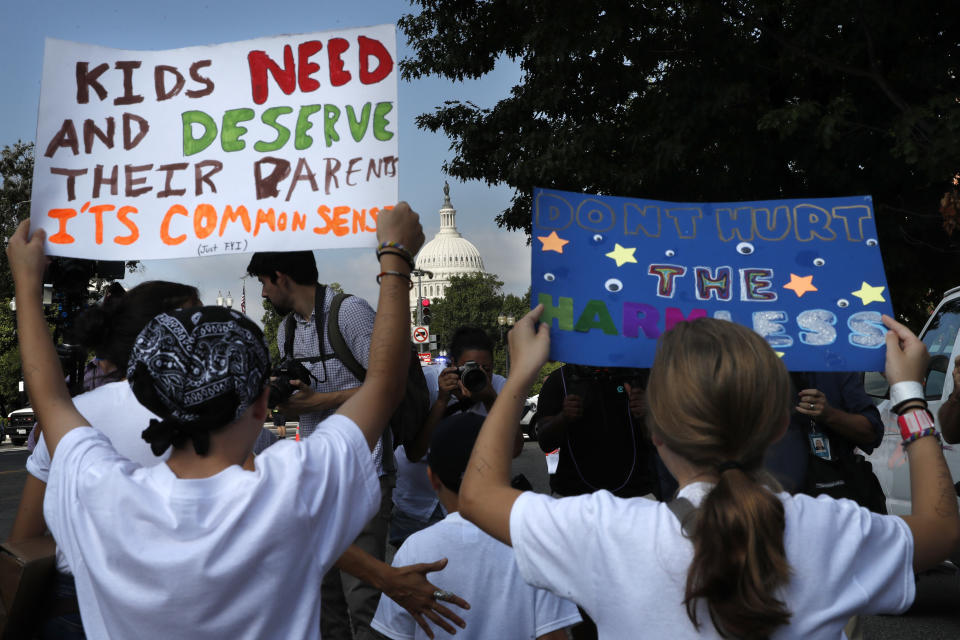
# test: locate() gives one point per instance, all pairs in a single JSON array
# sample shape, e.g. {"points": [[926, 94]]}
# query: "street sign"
{"points": [[421, 335], [425, 357]]}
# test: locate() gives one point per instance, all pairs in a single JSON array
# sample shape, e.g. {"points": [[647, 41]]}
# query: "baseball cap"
{"points": [[451, 446]]}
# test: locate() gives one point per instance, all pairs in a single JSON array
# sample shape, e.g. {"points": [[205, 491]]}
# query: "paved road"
{"points": [[12, 477], [934, 616]]}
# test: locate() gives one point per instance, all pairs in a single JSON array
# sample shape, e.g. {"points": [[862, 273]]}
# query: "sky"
{"points": [[151, 25]]}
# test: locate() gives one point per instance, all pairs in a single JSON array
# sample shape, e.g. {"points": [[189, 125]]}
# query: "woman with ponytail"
{"points": [[731, 556], [109, 330]]}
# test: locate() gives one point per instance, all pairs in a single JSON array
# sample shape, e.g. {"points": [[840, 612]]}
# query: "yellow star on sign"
{"points": [[800, 285], [869, 294], [552, 242], [622, 255]]}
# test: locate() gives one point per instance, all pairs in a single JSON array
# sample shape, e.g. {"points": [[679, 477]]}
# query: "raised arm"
{"points": [[374, 402], [934, 521], [486, 496], [42, 373]]}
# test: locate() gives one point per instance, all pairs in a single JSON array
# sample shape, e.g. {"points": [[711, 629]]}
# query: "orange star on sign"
{"points": [[800, 285], [552, 242]]}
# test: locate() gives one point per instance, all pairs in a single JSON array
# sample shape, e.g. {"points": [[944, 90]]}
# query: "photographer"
{"points": [[595, 417], [468, 386], [289, 281]]}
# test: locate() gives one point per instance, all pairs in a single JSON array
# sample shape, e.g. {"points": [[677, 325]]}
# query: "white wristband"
{"points": [[900, 392]]}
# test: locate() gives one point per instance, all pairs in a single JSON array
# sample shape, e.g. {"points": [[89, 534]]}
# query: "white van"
{"points": [[889, 460]]}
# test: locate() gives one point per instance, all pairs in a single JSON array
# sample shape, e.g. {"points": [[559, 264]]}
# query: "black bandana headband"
{"points": [[198, 369]]}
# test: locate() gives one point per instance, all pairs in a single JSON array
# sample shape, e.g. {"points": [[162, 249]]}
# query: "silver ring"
{"points": [[812, 406], [440, 594]]}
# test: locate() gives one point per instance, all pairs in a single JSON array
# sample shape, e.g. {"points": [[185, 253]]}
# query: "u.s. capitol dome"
{"points": [[448, 254]]}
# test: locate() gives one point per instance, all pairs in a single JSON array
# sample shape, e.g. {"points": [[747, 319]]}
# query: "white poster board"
{"points": [[274, 144]]}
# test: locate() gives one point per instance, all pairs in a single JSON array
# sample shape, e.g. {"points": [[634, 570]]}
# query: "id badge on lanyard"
{"points": [[819, 442]]}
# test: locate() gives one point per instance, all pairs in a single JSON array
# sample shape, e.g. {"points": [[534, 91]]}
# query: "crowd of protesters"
{"points": [[170, 511]]}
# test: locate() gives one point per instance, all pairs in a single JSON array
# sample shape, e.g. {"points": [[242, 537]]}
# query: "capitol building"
{"points": [[448, 254]]}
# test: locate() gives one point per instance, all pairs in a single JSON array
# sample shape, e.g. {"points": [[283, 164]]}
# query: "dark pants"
{"points": [[346, 601]]}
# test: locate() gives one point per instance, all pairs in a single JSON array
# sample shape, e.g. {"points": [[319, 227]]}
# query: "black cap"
{"points": [[451, 446]]}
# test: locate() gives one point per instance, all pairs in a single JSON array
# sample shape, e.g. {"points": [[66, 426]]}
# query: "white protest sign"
{"points": [[274, 144]]}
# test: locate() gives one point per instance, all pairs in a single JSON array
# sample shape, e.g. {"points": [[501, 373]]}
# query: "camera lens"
{"points": [[474, 380]]}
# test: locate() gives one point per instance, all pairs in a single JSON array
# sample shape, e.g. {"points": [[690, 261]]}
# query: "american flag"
{"points": [[243, 299]]}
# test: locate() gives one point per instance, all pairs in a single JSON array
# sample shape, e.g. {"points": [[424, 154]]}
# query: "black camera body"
{"points": [[280, 387], [473, 377]]}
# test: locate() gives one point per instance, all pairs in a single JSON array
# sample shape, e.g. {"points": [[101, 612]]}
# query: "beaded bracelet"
{"points": [[406, 256], [396, 273], [930, 431], [395, 245]]}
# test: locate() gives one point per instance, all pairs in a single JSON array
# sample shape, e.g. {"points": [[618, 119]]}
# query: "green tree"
{"points": [[472, 300], [16, 178], [700, 100], [271, 322]]}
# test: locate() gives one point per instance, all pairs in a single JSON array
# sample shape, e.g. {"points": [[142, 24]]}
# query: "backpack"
{"points": [[407, 421]]}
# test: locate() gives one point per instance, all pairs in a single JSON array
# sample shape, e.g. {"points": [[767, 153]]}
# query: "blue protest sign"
{"points": [[614, 273]]}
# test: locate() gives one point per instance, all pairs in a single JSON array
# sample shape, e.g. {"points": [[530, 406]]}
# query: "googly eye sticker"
{"points": [[871, 242], [613, 285], [843, 303], [819, 262], [549, 277], [669, 253], [745, 248], [597, 238]]}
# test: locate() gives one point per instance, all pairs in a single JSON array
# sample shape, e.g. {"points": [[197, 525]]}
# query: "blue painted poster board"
{"points": [[614, 273]]}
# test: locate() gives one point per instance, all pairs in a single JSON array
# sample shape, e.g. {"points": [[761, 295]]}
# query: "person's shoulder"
{"points": [[104, 393], [352, 302], [819, 515]]}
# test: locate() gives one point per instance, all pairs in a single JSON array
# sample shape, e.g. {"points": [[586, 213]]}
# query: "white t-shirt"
{"points": [[413, 494], [625, 562], [483, 572], [156, 556], [113, 410]]}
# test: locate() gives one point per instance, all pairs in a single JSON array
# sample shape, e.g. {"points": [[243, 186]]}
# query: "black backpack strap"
{"points": [[290, 327], [686, 513], [338, 344]]}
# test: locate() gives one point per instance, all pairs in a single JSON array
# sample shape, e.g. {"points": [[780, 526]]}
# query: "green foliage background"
{"points": [[707, 100]]}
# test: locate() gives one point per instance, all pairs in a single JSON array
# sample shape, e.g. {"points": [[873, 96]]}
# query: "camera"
{"points": [[473, 377], [280, 387]]}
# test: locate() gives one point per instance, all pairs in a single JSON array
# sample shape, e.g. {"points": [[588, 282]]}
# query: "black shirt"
{"points": [[607, 448]]}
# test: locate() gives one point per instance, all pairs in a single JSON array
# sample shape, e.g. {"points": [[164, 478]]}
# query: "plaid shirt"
{"points": [[356, 325]]}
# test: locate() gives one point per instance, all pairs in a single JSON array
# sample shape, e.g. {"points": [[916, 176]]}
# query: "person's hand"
{"points": [[26, 256], [813, 403], [408, 586], [304, 400], [448, 382], [572, 408], [637, 397], [529, 345], [401, 225], [907, 357]]}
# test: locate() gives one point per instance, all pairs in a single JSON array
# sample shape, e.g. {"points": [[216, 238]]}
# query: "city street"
{"points": [[933, 616]]}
